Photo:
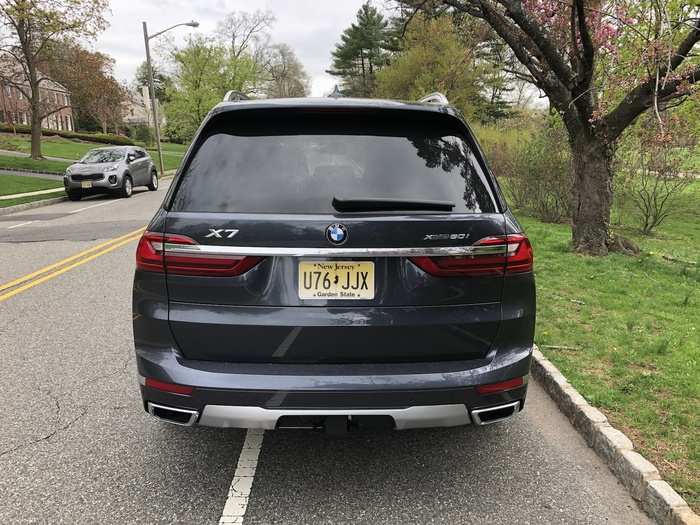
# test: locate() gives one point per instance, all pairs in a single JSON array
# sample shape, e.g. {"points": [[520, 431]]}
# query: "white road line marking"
{"points": [[18, 225], [94, 206], [242, 483]]}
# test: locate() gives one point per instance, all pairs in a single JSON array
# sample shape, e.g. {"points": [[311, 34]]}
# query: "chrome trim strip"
{"points": [[192, 413], [266, 418], [207, 249], [476, 414]]}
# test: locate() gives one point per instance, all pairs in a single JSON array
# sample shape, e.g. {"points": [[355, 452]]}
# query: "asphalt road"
{"points": [[76, 447]]}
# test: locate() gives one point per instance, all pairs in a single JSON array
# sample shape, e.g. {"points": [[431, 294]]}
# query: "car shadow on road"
{"points": [[492, 474]]}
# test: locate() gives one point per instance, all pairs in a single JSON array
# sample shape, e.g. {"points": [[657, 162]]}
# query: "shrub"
{"points": [[535, 171], [176, 133], [100, 138], [142, 133], [649, 171]]}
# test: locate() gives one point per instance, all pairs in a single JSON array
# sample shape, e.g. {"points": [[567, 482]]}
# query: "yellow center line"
{"points": [[113, 245], [78, 255]]}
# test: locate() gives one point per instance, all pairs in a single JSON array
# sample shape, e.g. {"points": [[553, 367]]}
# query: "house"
{"points": [[136, 110], [15, 109]]}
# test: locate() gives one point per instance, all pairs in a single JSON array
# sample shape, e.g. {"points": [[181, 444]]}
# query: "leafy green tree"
{"points": [[28, 27], [204, 71], [361, 52], [96, 95], [161, 82], [498, 69], [434, 59]]}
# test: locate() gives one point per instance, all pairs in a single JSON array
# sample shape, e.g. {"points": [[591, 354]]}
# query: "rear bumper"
{"points": [[260, 396]]}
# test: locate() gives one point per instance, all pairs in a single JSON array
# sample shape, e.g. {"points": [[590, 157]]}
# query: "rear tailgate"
{"points": [[258, 194]]}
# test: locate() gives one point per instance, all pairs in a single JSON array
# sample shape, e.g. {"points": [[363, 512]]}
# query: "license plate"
{"points": [[86, 184], [336, 280]]}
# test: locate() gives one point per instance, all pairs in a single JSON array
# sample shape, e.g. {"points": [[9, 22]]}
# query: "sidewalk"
{"points": [[29, 194]]}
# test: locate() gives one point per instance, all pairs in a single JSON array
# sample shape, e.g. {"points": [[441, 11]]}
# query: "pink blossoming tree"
{"points": [[601, 64]]}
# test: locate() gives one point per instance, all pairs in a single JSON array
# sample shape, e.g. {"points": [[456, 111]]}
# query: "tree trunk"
{"points": [[35, 107], [593, 194], [36, 131]]}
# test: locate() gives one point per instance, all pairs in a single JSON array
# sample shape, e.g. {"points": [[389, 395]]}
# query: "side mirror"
{"points": [[130, 158]]}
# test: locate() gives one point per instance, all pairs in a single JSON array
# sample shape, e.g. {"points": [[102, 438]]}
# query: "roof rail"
{"points": [[235, 96], [434, 98]]}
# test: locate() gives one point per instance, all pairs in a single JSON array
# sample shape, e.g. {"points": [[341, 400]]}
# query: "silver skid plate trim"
{"points": [[404, 418]]}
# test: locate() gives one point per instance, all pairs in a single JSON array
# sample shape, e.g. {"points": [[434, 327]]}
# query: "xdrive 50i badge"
{"points": [[446, 236]]}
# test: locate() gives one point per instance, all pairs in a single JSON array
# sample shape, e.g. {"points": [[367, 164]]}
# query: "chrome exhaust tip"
{"points": [[486, 416], [177, 416]]}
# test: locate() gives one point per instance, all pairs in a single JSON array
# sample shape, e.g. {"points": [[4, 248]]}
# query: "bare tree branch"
{"points": [[52, 111]]}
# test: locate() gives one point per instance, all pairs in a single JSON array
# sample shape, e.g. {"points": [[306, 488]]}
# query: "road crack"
{"points": [[56, 430]]}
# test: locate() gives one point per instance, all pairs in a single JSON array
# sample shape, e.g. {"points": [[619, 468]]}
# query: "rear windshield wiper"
{"points": [[369, 204]]}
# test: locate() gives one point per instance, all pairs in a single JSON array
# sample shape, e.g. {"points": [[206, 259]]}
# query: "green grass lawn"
{"points": [[11, 184], [171, 147], [171, 160], [172, 154], [50, 146], [25, 163], [72, 149], [633, 326], [692, 160]]}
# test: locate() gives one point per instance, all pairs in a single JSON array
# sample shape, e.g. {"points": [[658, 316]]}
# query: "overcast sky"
{"points": [[310, 27]]}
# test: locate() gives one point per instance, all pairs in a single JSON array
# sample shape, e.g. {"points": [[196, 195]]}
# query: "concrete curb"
{"points": [[46, 202], [31, 205], [639, 476], [36, 193]]}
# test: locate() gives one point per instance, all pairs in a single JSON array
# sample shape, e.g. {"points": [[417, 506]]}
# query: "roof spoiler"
{"points": [[235, 96], [434, 98]]}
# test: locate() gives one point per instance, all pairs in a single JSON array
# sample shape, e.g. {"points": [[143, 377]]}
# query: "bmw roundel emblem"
{"points": [[337, 233]]}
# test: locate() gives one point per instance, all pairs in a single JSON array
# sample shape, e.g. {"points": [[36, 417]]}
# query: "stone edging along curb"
{"points": [[638, 475], [45, 202], [30, 205]]}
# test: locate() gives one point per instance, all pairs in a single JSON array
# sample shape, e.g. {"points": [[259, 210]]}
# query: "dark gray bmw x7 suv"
{"points": [[333, 263]]}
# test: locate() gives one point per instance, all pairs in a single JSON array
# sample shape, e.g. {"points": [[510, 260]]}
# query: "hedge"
{"points": [[101, 138]]}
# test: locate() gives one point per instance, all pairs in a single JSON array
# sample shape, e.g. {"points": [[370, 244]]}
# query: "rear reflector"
{"points": [[152, 256], [503, 386], [497, 255], [171, 388]]}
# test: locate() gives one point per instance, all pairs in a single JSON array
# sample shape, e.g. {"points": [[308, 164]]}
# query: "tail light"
{"points": [[152, 255], [171, 388], [503, 386], [497, 255]]}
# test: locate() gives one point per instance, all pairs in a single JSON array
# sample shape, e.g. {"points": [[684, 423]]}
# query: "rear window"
{"points": [[254, 162]]}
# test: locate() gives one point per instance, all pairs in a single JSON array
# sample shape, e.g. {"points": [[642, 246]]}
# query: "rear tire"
{"points": [[127, 187], [153, 186], [74, 195]]}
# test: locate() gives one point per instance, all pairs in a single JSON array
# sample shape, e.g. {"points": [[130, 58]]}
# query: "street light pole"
{"points": [[154, 105], [151, 90]]}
